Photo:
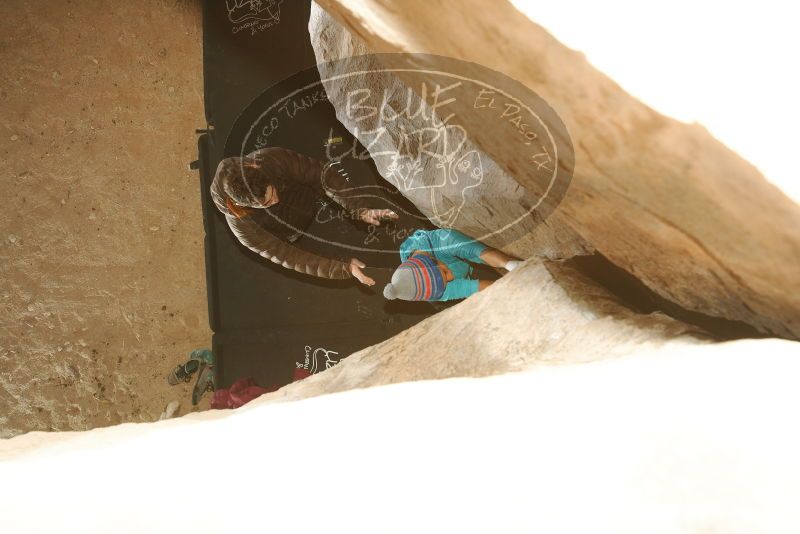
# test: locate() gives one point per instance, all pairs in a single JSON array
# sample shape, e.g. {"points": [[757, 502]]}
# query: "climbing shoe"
{"points": [[183, 372]]}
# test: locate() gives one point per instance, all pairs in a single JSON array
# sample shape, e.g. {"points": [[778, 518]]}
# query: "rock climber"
{"points": [[270, 197], [435, 266]]}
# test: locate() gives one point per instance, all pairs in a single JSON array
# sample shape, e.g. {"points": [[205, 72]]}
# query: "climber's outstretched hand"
{"points": [[355, 269]]}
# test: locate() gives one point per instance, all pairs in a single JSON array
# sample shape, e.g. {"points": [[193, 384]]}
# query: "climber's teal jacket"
{"points": [[452, 248]]}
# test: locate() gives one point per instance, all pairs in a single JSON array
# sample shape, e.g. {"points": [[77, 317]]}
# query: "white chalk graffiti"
{"points": [[255, 15], [432, 159], [452, 167], [318, 360], [413, 138]]}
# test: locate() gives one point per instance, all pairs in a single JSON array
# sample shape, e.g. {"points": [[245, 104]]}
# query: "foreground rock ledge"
{"points": [[539, 314], [635, 420], [663, 200], [630, 445]]}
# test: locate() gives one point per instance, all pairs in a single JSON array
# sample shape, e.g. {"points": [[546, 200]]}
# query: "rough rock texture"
{"points": [[102, 287], [496, 201], [682, 439], [539, 314], [101, 258], [661, 199], [668, 433]]}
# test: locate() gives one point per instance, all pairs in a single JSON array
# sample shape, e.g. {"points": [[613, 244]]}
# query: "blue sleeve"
{"points": [[462, 246], [412, 243], [460, 288]]}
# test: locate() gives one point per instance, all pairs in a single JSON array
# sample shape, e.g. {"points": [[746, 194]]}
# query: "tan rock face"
{"points": [[429, 156], [102, 285], [663, 200], [539, 314], [101, 261]]}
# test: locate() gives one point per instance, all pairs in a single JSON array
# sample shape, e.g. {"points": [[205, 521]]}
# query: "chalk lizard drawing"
{"points": [[314, 360], [407, 172], [240, 11]]}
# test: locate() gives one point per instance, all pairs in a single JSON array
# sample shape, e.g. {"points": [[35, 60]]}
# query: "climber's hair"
{"points": [[243, 181]]}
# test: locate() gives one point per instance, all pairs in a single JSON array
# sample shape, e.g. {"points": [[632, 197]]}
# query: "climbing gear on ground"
{"points": [[202, 354], [183, 372]]}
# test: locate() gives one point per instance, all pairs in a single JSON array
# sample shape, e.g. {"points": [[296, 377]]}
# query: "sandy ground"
{"points": [[102, 284]]}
